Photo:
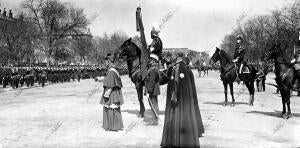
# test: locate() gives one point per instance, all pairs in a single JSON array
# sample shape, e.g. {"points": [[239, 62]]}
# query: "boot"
{"points": [[295, 86]]}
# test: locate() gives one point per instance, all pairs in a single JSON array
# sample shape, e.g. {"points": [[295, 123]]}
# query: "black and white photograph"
{"points": [[150, 73]]}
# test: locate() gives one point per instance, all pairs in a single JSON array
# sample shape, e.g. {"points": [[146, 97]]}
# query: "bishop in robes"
{"points": [[112, 97], [183, 124]]}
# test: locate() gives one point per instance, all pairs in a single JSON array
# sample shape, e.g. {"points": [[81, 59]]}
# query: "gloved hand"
{"points": [[293, 61]]}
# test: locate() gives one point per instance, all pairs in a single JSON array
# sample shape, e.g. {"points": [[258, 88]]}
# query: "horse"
{"points": [[285, 75], [203, 68], [130, 52], [229, 73]]}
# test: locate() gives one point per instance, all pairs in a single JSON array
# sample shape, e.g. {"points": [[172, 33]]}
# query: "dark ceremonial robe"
{"points": [[112, 118], [182, 125], [197, 110]]}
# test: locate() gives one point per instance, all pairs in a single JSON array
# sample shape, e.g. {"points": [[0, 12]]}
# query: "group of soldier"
{"points": [[16, 77]]}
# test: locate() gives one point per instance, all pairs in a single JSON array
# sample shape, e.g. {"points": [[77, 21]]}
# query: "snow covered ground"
{"points": [[69, 115]]}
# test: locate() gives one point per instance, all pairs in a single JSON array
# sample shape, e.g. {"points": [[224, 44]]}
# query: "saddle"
{"points": [[245, 69]]}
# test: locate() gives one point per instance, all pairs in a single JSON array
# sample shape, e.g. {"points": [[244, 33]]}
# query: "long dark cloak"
{"points": [[181, 125], [197, 110]]}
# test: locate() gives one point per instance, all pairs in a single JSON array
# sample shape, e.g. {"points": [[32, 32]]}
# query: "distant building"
{"points": [[192, 54], [7, 22]]}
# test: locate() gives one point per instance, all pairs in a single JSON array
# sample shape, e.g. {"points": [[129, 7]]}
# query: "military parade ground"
{"points": [[69, 115]]}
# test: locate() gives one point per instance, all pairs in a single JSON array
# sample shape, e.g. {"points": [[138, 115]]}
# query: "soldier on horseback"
{"points": [[152, 78], [155, 48], [239, 55], [296, 62]]}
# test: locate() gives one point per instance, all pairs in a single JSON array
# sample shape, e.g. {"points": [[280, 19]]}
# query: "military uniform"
{"points": [[43, 77], [152, 87], [156, 46], [239, 54], [15, 78], [7, 77]]}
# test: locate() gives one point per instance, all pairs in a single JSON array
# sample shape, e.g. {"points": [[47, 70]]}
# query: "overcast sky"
{"points": [[198, 24]]}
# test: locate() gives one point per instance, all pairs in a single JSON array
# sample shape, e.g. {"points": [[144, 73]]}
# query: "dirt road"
{"points": [[69, 115]]}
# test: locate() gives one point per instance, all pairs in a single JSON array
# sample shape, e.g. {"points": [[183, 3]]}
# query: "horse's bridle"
{"points": [[121, 54], [214, 58], [284, 74]]}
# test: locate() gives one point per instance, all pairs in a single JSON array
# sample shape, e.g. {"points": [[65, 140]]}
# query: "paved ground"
{"points": [[69, 115]]}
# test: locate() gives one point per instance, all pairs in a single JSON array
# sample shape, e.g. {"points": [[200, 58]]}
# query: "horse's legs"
{"points": [[252, 91], [225, 92], [283, 94], [232, 94], [287, 102], [207, 71], [139, 89], [250, 86], [263, 84]]}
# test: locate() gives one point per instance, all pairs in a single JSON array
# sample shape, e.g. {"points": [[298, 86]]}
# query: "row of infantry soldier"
{"points": [[18, 76]]}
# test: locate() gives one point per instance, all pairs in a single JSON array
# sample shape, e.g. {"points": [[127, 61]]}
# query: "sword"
{"points": [[152, 108]]}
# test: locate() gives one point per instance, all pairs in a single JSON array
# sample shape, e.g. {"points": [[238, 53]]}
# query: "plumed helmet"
{"points": [[154, 33], [155, 29]]}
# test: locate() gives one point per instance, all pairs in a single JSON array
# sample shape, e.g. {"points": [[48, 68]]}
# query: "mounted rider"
{"points": [[152, 78], [239, 54], [296, 62], [156, 46]]}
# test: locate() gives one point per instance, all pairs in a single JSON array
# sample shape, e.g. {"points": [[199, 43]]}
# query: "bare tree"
{"points": [[55, 21], [263, 31], [108, 44]]}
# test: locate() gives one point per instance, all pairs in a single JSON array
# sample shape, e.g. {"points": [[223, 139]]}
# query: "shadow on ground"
{"points": [[276, 113], [147, 115], [222, 103]]}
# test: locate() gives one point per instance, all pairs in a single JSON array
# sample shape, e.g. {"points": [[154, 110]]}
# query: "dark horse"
{"points": [[285, 75], [132, 54], [229, 75]]}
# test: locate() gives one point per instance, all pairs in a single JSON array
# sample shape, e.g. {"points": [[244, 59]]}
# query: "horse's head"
{"points": [[216, 56], [271, 53], [128, 50]]}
